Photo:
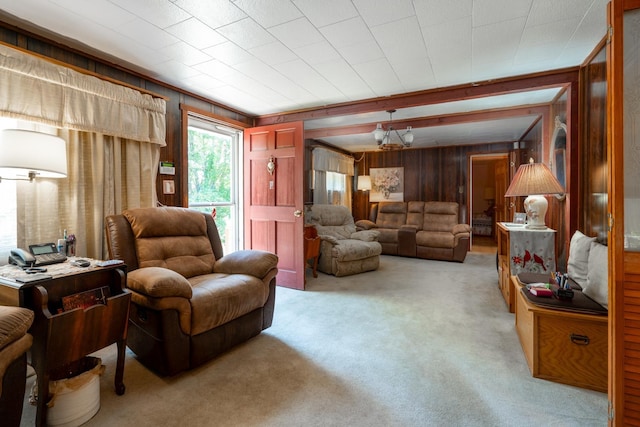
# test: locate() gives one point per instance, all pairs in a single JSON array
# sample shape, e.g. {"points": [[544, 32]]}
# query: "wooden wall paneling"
{"points": [[412, 174], [592, 150]]}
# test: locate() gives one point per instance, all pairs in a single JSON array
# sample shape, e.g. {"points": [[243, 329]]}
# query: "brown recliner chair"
{"points": [[189, 303], [14, 343]]}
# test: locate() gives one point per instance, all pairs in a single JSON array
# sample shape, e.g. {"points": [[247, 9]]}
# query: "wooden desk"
{"points": [[62, 337], [562, 346]]}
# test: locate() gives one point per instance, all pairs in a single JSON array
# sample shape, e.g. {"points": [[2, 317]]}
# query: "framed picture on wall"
{"points": [[387, 185]]}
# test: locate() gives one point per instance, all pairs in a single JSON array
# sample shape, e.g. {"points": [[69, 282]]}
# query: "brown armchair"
{"points": [[14, 343], [189, 302]]}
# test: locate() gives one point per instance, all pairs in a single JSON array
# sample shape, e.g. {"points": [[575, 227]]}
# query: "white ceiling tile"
{"points": [[317, 53], [185, 53], [346, 33], [553, 33], [268, 12], [344, 77], [273, 53], [160, 13], [215, 69], [401, 39], [326, 12], [361, 52], [507, 35], [246, 33], [196, 33], [203, 82], [229, 53], [147, 34], [414, 73], [296, 33], [377, 12], [487, 12], [380, 77], [178, 70], [215, 13], [102, 11], [449, 48], [438, 12], [547, 11], [306, 77]]}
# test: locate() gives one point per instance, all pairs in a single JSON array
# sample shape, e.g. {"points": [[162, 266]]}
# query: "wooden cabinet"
{"points": [[562, 346], [61, 337], [504, 270]]}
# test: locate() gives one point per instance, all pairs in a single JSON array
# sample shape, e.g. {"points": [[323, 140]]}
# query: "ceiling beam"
{"points": [[558, 78], [422, 122]]}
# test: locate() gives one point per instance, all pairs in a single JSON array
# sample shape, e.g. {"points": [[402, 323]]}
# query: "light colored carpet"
{"points": [[416, 343]]}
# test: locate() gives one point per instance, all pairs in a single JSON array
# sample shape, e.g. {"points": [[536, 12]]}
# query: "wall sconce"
{"points": [[534, 180], [25, 155]]}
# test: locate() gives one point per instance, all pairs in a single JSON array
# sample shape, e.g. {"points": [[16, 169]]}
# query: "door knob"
{"points": [[297, 213]]}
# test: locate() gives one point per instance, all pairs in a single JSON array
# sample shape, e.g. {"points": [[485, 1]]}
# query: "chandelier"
{"points": [[383, 138]]}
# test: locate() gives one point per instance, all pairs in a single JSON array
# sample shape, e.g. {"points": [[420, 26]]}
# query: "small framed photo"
{"points": [[519, 218]]}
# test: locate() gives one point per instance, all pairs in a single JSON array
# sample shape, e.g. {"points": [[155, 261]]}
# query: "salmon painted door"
{"points": [[273, 197]]}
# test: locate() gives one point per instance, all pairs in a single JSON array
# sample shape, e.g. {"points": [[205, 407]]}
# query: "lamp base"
{"points": [[536, 208]]}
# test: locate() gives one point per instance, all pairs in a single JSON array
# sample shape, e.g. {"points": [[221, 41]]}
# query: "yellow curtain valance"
{"points": [[34, 89]]}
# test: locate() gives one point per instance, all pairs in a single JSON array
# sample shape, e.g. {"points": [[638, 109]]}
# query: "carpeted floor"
{"points": [[416, 343]]}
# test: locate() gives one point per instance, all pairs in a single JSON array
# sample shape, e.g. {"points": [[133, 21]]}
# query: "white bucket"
{"points": [[74, 400]]}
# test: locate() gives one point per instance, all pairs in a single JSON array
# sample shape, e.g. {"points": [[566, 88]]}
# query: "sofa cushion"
{"points": [[353, 250], [440, 216], [597, 286], [435, 239], [579, 248], [415, 214], [220, 298], [173, 238], [387, 235], [391, 214]]}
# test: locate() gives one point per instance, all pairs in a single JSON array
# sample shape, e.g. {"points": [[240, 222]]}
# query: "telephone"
{"points": [[41, 254]]}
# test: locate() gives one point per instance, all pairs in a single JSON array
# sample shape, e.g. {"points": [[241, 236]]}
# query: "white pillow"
{"points": [[579, 257], [597, 287]]}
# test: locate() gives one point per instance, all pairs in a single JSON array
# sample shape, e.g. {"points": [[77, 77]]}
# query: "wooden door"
{"points": [[623, 117], [502, 182], [273, 171]]}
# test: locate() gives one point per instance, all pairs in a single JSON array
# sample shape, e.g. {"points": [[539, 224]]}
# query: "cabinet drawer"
{"points": [[572, 351]]}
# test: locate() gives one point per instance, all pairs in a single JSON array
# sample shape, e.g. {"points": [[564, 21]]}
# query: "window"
{"points": [[8, 207], [214, 177]]}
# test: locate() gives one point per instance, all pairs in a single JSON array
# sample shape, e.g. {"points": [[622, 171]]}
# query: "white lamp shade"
{"points": [[378, 133], [364, 182], [24, 153]]}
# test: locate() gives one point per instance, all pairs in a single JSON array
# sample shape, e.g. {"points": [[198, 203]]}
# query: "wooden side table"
{"points": [[62, 336], [311, 248], [562, 346]]}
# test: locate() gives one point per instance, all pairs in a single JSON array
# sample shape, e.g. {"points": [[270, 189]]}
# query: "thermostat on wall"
{"points": [[167, 168]]}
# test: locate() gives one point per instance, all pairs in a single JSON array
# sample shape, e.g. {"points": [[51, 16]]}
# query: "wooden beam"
{"points": [[529, 82], [422, 122]]}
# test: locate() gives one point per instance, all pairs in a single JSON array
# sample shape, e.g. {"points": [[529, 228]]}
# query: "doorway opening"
{"points": [[488, 180]]}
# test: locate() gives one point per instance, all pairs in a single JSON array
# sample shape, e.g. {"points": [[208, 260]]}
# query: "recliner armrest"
{"points": [[366, 235], [159, 282], [254, 262], [461, 228], [365, 224]]}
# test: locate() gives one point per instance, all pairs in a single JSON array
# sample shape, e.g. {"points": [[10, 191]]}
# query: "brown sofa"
{"points": [[429, 230], [189, 302]]}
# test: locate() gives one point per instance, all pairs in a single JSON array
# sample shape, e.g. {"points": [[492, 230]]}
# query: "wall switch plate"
{"points": [[168, 186]]}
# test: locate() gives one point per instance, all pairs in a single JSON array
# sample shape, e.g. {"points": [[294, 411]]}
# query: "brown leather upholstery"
{"points": [[14, 343], [189, 301]]}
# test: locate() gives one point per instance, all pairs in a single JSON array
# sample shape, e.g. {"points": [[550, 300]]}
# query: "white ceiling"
{"points": [[271, 56]]}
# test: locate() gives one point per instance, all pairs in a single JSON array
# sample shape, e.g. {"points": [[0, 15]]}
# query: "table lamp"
{"points": [[534, 180], [25, 155]]}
